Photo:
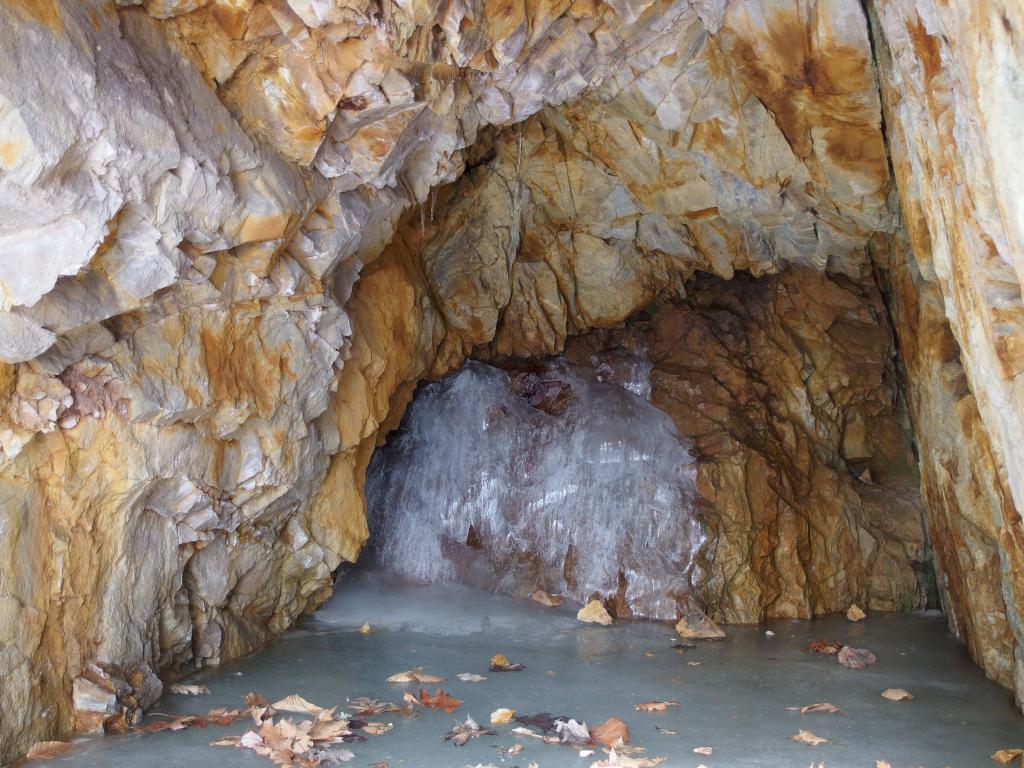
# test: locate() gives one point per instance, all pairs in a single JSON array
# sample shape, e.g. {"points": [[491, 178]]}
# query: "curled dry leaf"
{"points": [[502, 716], [376, 729], [655, 706], [42, 750], [855, 658], [366, 706], [1007, 756], [190, 690], [520, 731], [612, 732], [415, 676], [829, 647], [806, 737], [703, 751], [500, 663], [854, 613], [179, 723], [463, 732], [440, 700], [296, 703], [255, 700], [823, 707], [572, 732], [222, 716], [469, 677], [897, 694]]}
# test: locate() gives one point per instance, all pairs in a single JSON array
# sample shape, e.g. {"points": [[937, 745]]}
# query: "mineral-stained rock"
{"points": [[235, 235], [594, 613], [698, 626], [855, 658]]}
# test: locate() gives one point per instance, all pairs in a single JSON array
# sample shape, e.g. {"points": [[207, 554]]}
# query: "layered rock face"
{"points": [[234, 235]]}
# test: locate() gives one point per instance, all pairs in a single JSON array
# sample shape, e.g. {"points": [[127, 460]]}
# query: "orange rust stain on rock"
{"points": [[10, 151], [239, 368], [858, 149], [45, 12], [927, 49]]}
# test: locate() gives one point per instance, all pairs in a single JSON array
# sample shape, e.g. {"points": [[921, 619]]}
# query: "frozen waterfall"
{"points": [[557, 480]]}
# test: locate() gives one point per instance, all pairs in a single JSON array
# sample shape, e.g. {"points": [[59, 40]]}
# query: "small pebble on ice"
{"points": [[769, 633]]}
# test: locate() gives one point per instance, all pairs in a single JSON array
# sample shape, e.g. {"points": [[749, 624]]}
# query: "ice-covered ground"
{"points": [[595, 497], [733, 694]]}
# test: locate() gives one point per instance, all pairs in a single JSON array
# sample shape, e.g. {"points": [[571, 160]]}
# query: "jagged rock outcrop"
{"points": [[234, 234]]}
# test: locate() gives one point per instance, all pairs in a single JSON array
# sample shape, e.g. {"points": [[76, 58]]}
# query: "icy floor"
{"points": [[734, 701]]}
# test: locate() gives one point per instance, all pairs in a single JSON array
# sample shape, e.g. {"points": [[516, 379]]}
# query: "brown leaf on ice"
{"points": [[897, 694], [415, 676], [655, 706], [190, 690], [255, 700], [806, 737], [296, 703], [611, 732], [222, 716], [469, 677], [502, 716], [882, 764], [1007, 756], [855, 658], [42, 750], [226, 741], [500, 663], [179, 723], [376, 729], [463, 732], [367, 706], [830, 647], [440, 700], [823, 707]]}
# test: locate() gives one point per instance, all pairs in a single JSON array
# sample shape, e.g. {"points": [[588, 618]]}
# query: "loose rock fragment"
{"points": [[698, 626], [855, 658], [594, 613], [854, 613]]}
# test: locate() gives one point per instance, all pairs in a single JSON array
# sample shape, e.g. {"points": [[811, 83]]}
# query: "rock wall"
{"points": [[787, 388], [202, 342], [950, 83]]}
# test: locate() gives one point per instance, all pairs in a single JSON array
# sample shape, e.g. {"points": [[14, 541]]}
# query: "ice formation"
{"points": [[587, 490]]}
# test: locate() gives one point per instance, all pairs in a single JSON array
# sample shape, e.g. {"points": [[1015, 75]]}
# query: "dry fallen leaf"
{"points": [[296, 703], [366, 629], [823, 707], [1006, 756], [655, 706], [463, 732], [415, 676], [806, 737], [376, 729], [222, 716], [830, 647], [500, 663], [440, 700], [515, 749], [469, 677], [854, 613], [666, 731], [693, 663], [612, 732], [502, 716], [882, 764], [42, 750], [896, 694], [190, 690], [703, 750]]}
